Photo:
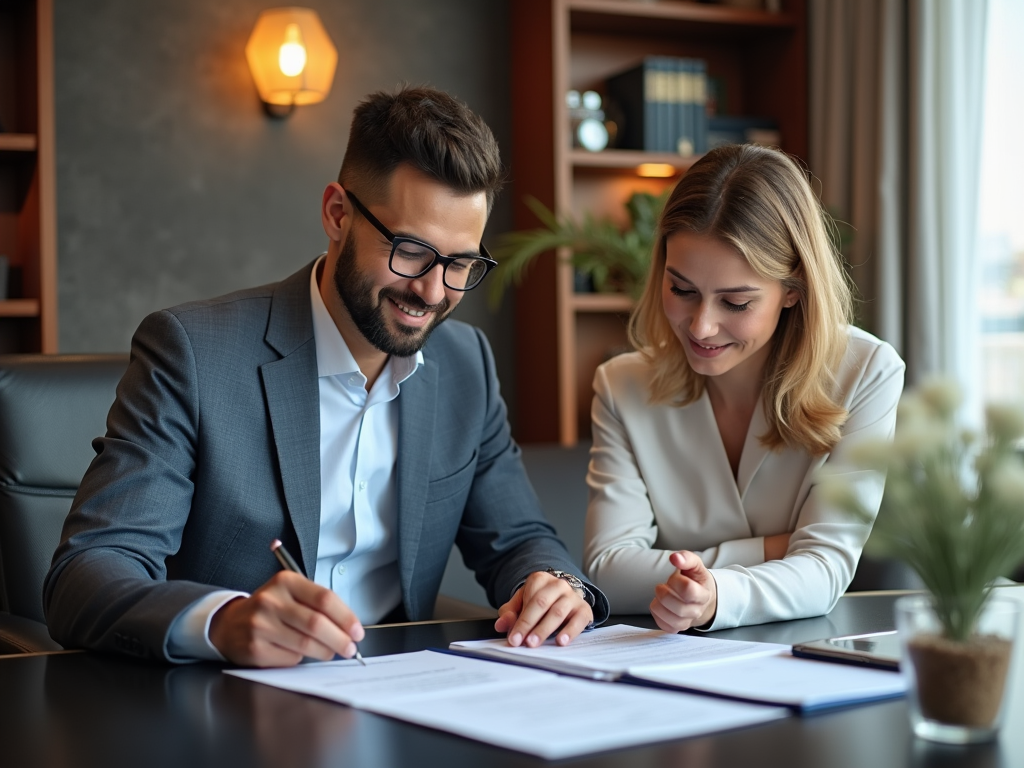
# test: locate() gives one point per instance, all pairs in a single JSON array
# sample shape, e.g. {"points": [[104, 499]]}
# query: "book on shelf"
{"points": [[731, 129], [639, 94], [662, 103]]}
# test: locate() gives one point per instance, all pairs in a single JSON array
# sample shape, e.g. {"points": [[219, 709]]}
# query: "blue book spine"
{"points": [[653, 88], [700, 132], [673, 95], [678, 104], [659, 97], [688, 106]]}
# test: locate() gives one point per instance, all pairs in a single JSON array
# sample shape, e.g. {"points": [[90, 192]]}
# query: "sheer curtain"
{"points": [[896, 110]]}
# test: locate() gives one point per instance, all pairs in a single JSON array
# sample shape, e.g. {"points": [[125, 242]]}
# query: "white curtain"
{"points": [[896, 110]]}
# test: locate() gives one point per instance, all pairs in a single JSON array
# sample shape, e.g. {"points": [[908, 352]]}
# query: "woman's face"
{"points": [[722, 311]]}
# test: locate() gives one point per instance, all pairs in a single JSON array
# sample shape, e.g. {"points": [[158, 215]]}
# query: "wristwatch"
{"points": [[573, 581]]}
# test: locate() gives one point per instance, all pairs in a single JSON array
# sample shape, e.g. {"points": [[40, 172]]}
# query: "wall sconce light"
{"points": [[292, 59]]}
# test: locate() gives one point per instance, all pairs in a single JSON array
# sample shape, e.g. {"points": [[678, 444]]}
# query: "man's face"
{"points": [[397, 314]]}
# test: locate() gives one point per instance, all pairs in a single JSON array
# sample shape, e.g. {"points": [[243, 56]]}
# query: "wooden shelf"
{"points": [[602, 302], [28, 217], [627, 159], [19, 307], [18, 142], [668, 18], [760, 60]]}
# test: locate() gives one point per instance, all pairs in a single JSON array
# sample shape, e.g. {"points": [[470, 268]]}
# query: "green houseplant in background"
{"points": [[953, 510], [617, 259]]}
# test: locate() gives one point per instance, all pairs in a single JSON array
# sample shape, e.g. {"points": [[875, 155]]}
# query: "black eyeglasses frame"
{"points": [[396, 240]]}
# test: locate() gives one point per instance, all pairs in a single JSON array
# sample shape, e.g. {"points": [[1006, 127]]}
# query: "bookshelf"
{"points": [[562, 336], [28, 230]]}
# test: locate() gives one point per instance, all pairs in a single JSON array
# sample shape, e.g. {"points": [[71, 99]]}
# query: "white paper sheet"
{"points": [[404, 675], [511, 706], [620, 649], [596, 716], [785, 679]]}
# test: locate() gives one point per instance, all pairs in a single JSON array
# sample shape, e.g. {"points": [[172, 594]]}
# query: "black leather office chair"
{"points": [[51, 408]]}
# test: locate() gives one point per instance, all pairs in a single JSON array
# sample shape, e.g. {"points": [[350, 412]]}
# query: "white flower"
{"points": [[1004, 422], [921, 438], [941, 395], [1006, 481]]}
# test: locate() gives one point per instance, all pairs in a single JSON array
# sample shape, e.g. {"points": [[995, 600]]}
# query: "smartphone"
{"points": [[876, 649]]}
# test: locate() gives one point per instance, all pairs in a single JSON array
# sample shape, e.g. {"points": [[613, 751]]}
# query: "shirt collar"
{"points": [[333, 356]]}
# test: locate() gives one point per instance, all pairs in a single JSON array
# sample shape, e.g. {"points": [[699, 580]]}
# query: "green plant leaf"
{"points": [[953, 508], [615, 259]]}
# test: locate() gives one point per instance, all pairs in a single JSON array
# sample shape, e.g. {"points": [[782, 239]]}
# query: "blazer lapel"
{"points": [[293, 402], [754, 452], [417, 408]]}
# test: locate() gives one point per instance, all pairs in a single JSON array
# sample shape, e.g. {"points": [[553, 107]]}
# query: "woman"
{"points": [[746, 380]]}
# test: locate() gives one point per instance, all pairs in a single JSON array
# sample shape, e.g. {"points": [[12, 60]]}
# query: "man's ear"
{"points": [[332, 212]]}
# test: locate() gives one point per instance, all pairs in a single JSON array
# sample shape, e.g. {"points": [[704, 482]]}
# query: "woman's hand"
{"points": [[689, 598]]}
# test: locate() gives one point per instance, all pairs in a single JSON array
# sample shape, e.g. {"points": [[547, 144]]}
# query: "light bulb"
{"points": [[292, 56]]}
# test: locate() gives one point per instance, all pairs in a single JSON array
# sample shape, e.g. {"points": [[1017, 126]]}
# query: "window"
{"points": [[1001, 213]]}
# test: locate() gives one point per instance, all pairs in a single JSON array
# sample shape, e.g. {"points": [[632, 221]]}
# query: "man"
{"points": [[316, 411]]}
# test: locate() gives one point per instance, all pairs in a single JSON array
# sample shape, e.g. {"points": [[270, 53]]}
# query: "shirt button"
{"points": [[340, 569], [362, 485], [353, 380]]}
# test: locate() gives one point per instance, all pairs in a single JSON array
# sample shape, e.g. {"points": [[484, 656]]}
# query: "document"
{"points": [[511, 706], [609, 653], [758, 672], [803, 684]]}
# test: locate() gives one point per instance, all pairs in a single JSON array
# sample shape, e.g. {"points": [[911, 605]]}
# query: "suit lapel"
{"points": [[754, 452], [417, 408], [293, 402]]}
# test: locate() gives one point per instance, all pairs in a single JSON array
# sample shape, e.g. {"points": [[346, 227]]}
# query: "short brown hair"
{"points": [[427, 129], [759, 202]]}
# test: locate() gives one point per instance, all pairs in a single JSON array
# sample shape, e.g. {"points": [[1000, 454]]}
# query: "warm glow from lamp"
{"points": [[291, 57], [656, 170]]}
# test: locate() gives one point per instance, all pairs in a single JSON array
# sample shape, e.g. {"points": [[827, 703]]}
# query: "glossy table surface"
{"points": [[84, 709]]}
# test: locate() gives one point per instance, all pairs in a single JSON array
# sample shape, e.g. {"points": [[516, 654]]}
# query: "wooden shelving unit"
{"points": [[562, 336], [28, 227]]}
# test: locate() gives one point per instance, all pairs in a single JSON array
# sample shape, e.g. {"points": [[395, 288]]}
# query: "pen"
{"points": [[288, 563]]}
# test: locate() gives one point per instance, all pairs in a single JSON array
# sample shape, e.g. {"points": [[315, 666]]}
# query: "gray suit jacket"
{"points": [[213, 450]]}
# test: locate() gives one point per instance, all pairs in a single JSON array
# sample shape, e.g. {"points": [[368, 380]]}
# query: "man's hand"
{"points": [[288, 618], [544, 605], [689, 598]]}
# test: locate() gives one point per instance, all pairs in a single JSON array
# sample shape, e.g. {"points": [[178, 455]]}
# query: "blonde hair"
{"points": [[759, 201]]}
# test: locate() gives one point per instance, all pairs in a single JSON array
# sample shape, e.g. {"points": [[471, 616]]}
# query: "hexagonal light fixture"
{"points": [[292, 59]]}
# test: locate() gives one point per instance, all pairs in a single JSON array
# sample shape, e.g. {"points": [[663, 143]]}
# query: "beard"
{"points": [[356, 291]]}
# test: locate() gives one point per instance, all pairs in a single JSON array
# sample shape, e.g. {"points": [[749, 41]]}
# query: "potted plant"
{"points": [[616, 259], [953, 510]]}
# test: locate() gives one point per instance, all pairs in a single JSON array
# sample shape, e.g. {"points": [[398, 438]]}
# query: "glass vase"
{"points": [[956, 689]]}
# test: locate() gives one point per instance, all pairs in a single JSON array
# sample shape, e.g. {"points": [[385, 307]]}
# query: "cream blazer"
{"points": [[660, 481]]}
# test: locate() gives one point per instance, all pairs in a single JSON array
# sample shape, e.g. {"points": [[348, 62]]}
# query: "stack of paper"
{"points": [[502, 704], [466, 693]]}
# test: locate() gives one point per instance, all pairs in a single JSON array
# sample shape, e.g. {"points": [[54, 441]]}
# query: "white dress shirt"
{"points": [[357, 554]]}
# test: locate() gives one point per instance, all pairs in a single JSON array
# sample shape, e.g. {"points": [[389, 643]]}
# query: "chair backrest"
{"points": [[51, 408]]}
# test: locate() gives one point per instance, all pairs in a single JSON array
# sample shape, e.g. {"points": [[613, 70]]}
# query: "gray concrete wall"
{"points": [[173, 185]]}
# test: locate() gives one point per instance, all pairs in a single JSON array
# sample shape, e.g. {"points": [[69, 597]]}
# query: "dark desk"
{"points": [[83, 709]]}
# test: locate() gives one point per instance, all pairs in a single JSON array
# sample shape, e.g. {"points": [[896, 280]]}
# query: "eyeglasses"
{"points": [[412, 258]]}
